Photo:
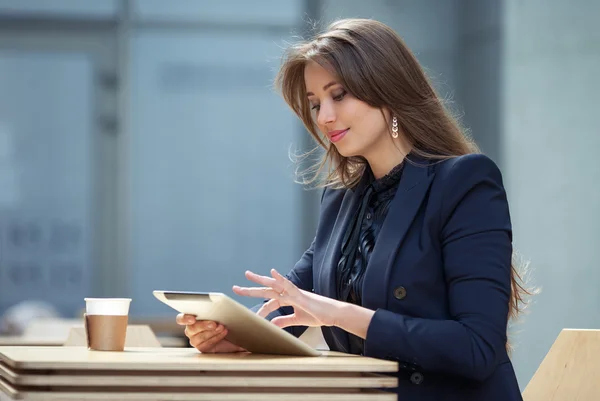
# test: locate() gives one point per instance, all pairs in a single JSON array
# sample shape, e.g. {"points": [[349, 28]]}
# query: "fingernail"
{"points": [[219, 329], [211, 326]]}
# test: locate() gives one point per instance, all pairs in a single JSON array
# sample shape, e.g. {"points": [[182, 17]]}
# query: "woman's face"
{"points": [[352, 126]]}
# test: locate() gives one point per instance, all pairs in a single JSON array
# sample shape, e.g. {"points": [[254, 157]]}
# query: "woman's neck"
{"points": [[383, 160]]}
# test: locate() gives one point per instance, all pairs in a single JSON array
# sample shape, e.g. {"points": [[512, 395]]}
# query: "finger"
{"points": [[268, 307], [285, 284], [189, 332], [262, 280], [209, 345], [255, 292], [184, 319], [200, 326], [199, 339], [286, 321]]}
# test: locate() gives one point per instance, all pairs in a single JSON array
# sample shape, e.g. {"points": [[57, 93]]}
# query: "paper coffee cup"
{"points": [[106, 323]]}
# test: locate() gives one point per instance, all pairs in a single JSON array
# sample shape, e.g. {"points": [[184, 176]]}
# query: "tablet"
{"points": [[245, 328]]}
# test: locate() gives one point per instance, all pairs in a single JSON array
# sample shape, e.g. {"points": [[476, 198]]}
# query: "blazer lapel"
{"points": [[413, 186], [335, 337], [326, 284]]}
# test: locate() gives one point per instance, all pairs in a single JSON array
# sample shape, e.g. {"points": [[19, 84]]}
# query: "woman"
{"points": [[412, 256]]}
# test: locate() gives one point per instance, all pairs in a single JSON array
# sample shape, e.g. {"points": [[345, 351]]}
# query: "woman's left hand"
{"points": [[309, 309]]}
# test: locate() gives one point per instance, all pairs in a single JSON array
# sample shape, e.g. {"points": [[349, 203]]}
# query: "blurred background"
{"points": [[143, 147]]}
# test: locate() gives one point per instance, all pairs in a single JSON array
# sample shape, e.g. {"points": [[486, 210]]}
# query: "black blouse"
{"points": [[360, 239]]}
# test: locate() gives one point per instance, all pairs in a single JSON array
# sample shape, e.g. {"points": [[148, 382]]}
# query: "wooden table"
{"points": [[75, 373]]}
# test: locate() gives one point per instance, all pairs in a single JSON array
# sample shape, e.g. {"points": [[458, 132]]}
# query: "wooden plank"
{"points": [[197, 379], [183, 359], [185, 394], [570, 371]]}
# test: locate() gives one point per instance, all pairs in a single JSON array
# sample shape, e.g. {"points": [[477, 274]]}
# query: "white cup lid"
{"points": [[107, 306]]}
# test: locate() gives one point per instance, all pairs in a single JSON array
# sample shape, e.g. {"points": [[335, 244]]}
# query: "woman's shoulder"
{"points": [[471, 180], [472, 163], [466, 171]]}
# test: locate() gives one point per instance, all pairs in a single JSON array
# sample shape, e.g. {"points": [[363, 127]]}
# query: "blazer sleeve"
{"points": [[302, 277], [476, 246]]}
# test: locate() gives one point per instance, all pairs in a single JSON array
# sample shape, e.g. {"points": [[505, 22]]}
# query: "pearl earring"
{"points": [[394, 127]]}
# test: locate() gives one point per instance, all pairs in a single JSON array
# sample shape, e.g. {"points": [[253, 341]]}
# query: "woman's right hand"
{"points": [[206, 336]]}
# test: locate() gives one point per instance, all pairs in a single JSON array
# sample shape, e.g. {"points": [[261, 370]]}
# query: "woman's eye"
{"points": [[340, 96], [316, 107]]}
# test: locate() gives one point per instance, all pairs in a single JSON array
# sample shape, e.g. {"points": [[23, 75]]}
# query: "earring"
{"points": [[394, 127]]}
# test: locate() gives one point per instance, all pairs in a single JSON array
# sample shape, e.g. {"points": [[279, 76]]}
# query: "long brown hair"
{"points": [[374, 65]]}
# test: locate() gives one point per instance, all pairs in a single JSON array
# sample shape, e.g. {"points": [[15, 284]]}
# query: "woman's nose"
{"points": [[326, 115]]}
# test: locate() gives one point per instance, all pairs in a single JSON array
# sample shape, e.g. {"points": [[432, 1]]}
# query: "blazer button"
{"points": [[417, 378], [400, 293]]}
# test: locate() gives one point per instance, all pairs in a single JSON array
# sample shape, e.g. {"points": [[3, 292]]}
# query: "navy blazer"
{"points": [[438, 279]]}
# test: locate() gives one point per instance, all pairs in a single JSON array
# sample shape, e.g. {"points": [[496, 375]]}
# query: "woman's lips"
{"points": [[335, 136]]}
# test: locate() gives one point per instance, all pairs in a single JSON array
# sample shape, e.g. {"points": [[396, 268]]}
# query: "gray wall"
{"points": [[212, 191], [479, 65], [45, 202], [200, 174], [550, 143]]}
